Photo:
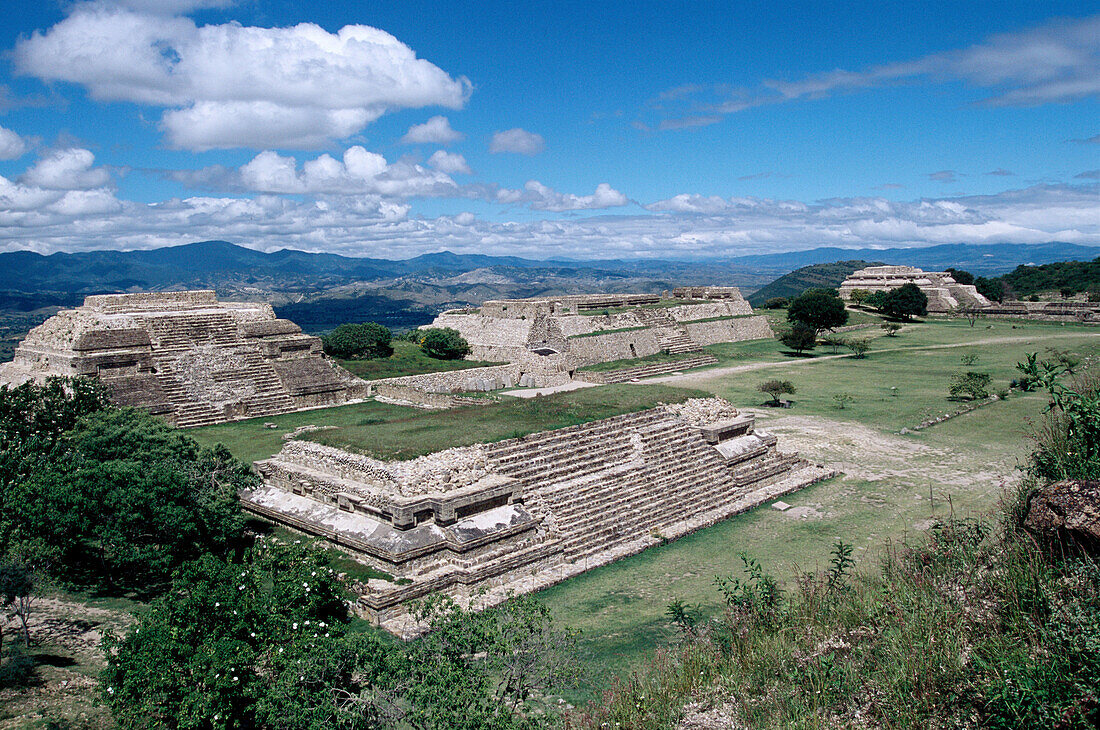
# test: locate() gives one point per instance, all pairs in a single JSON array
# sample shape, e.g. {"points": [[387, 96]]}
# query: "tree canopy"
{"points": [[905, 302], [359, 341], [443, 343], [818, 309]]}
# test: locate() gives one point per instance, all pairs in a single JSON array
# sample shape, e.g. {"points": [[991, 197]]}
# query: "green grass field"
{"points": [[407, 359]]}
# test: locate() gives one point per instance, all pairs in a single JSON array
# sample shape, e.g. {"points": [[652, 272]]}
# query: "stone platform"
{"points": [[186, 356], [484, 521], [943, 292]]}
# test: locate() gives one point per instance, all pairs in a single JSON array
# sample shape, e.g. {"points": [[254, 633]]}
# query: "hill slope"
{"points": [[815, 276]]}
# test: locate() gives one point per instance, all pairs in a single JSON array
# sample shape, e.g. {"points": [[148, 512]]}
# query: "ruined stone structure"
{"points": [[481, 521], [943, 293], [570, 331], [186, 356], [1060, 311]]}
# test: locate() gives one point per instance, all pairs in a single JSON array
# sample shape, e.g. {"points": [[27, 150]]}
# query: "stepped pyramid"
{"points": [[186, 356], [515, 516]]}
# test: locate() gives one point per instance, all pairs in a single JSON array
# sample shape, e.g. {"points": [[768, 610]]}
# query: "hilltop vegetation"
{"points": [[815, 276], [1074, 276]]}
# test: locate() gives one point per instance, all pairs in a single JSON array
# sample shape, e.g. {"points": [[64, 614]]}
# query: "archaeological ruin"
{"points": [[482, 522], [186, 356], [943, 292], [571, 331]]}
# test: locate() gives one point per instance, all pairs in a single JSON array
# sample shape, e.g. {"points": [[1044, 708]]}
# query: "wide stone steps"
{"points": [[645, 371]]}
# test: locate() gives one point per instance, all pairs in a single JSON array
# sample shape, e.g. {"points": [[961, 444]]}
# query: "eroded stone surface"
{"points": [[1067, 511]]}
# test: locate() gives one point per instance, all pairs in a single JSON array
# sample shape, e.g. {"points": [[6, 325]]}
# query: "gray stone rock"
{"points": [[1067, 512]]}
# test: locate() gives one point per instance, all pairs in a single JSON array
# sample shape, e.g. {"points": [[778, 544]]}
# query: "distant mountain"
{"points": [[815, 276], [985, 259]]}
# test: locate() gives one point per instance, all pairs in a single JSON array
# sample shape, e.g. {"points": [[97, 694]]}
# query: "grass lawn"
{"points": [[407, 359], [388, 431]]}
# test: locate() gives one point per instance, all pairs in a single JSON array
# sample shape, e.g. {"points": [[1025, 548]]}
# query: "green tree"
{"points": [[992, 289], [891, 328], [443, 343], [776, 303], [905, 302], [16, 595], [859, 347], [960, 276], [859, 296], [798, 337], [359, 341], [776, 388], [834, 341], [818, 309]]}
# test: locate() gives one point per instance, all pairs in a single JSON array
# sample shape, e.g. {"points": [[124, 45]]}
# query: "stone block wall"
{"points": [[614, 346], [730, 330]]}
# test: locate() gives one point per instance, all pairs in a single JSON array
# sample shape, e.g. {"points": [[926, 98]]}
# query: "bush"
{"points": [[859, 296], [859, 347], [819, 309], [834, 341], [443, 343], [891, 328], [971, 385], [798, 337], [776, 388], [359, 341], [776, 303]]}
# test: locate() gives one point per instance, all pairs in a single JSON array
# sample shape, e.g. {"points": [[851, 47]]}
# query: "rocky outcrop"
{"points": [[1067, 513]]}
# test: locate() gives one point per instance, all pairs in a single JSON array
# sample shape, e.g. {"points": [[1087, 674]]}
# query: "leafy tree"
{"points": [[859, 296], [842, 399], [121, 501], [818, 309], [859, 347], [992, 289], [891, 328], [359, 341], [960, 276], [906, 302], [971, 385], [798, 337], [776, 388], [875, 300], [16, 595], [443, 343], [834, 341], [776, 303], [1067, 291]]}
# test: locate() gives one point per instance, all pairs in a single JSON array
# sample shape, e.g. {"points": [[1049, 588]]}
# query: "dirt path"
{"points": [[698, 376]]}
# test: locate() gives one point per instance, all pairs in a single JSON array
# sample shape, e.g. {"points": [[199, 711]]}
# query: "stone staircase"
{"points": [[671, 335], [644, 371], [183, 331], [607, 484]]}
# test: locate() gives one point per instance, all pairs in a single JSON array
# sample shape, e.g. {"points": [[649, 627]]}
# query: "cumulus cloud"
{"points": [[358, 172], [517, 140], [230, 85], [449, 162], [12, 146], [68, 169], [1057, 62], [541, 197], [436, 130]]}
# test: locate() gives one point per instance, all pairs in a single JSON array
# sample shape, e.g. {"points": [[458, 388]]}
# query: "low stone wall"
{"points": [[730, 330], [691, 312], [493, 377]]}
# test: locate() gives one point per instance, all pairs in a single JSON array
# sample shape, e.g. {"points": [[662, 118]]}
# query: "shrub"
{"points": [[834, 341], [798, 337], [891, 328], [359, 341], [842, 399], [443, 343], [776, 303], [859, 347], [818, 309], [971, 385], [776, 388], [859, 296]]}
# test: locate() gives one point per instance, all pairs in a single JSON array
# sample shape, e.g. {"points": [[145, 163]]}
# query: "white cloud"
{"points": [[541, 197], [358, 172], [238, 86], [436, 130], [68, 169], [12, 146], [449, 162], [517, 140]]}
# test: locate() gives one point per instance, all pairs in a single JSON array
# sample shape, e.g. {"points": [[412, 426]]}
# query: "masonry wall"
{"points": [[730, 330], [456, 381], [614, 346]]}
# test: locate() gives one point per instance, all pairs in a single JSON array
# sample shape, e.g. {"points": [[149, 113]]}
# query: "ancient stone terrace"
{"points": [[943, 292], [485, 521], [571, 331], [186, 356]]}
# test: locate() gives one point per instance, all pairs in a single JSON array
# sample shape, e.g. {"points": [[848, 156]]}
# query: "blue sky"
{"points": [[565, 129]]}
